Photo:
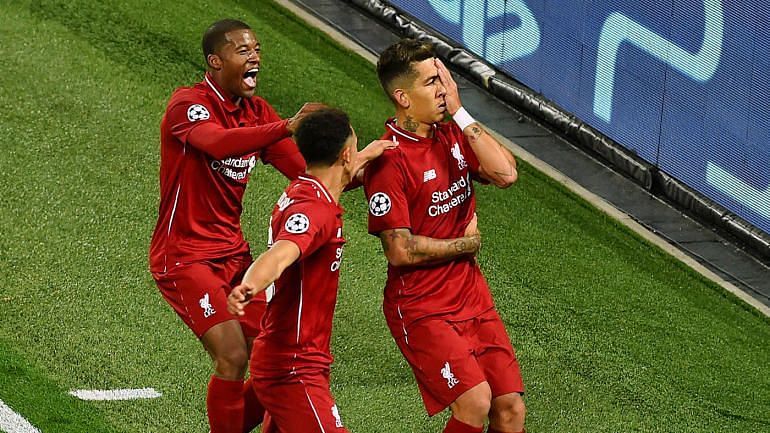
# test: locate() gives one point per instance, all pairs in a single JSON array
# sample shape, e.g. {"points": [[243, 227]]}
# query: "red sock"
{"points": [[253, 412], [455, 426], [224, 403], [491, 430]]}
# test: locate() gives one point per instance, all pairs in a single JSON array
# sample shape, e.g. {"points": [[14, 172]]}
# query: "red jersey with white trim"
{"points": [[297, 325], [425, 185], [200, 195]]}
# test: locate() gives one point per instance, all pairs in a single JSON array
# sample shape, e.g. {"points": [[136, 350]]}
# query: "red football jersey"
{"points": [[425, 185], [297, 325], [200, 195]]}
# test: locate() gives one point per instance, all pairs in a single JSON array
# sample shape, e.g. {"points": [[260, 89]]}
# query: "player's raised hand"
{"points": [[374, 149], [452, 96], [371, 152], [238, 298], [306, 109]]}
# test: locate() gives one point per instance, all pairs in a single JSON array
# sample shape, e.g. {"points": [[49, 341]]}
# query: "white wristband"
{"points": [[462, 118]]}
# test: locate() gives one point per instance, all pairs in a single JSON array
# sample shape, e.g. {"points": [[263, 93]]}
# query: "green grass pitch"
{"points": [[612, 334]]}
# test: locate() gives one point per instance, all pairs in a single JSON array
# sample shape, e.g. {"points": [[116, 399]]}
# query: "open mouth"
{"points": [[250, 77]]}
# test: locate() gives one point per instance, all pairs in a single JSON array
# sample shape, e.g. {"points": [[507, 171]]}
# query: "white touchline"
{"points": [[115, 394], [12, 422]]}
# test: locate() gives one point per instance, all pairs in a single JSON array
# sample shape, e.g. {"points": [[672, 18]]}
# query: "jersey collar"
{"points": [[229, 105], [320, 186], [408, 137]]}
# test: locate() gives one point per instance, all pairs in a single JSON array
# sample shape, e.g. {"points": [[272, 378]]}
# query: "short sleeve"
{"points": [[385, 187], [307, 224], [184, 115]]}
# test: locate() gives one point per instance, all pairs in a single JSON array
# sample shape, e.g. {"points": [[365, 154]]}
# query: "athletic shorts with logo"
{"points": [[198, 293], [299, 403], [450, 357]]}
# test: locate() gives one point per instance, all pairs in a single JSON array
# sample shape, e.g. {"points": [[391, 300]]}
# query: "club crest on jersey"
{"points": [[447, 374], [458, 155], [297, 223], [197, 112], [379, 204], [208, 309]]}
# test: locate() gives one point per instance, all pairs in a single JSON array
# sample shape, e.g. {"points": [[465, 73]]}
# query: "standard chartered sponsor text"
{"points": [[234, 168], [445, 200]]}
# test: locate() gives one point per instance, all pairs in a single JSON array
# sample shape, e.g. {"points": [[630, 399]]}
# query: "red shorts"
{"points": [[449, 358], [299, 404], [198, 293]]}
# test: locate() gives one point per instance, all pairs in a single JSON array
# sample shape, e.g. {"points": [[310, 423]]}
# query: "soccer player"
{"points": [[212, 135], [422, 206], [290, 360]]}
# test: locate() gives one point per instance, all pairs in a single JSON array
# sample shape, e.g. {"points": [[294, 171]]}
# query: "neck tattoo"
{"points": [[410, 125]]}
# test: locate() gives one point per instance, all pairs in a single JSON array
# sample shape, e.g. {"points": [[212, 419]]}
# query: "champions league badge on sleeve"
{"points": [[297, 223], [197, 112], [379, 204]]}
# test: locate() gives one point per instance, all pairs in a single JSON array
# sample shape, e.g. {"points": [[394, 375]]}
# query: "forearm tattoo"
{"points": [[420, 249], [474, 135]]}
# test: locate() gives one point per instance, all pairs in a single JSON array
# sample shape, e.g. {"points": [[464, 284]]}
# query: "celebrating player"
{"points": [[290, 360], [212, 135], [422, 206]]}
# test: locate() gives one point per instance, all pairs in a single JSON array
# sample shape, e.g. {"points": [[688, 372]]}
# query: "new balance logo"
{"points": [[208, 309], [447, 374], [429, 175]]}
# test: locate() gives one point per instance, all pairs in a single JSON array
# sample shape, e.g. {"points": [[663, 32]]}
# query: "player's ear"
{"points": [[401, 98], [214, 61], [346, 155]]}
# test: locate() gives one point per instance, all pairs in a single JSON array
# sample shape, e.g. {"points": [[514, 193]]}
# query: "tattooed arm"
{"points": [[496, 163], [402, 248]]}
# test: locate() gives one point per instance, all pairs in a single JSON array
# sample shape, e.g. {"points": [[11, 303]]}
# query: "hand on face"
{"points": [[452, 96]]}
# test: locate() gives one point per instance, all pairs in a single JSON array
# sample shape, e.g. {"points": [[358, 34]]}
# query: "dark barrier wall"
{"points": [[684, 84]]}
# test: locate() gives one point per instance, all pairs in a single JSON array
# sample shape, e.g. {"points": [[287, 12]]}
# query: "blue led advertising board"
{"points": [[684, 84]]}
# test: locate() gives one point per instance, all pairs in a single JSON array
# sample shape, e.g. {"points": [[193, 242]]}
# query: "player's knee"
{"points": [[473, 404], [480, 405], [231, 363], [508, 410]]}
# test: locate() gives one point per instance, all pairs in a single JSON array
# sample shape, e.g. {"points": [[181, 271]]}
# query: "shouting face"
{"points": [[236, 65]]}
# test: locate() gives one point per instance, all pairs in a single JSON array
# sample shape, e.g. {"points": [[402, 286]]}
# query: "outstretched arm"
{"points": [[496, 163], [402, 248], [266, 269], [221, 142]]}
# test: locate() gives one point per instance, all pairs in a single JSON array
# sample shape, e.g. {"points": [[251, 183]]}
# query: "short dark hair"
{"points": [[214, 36], [321, 135], [397, 61]]}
